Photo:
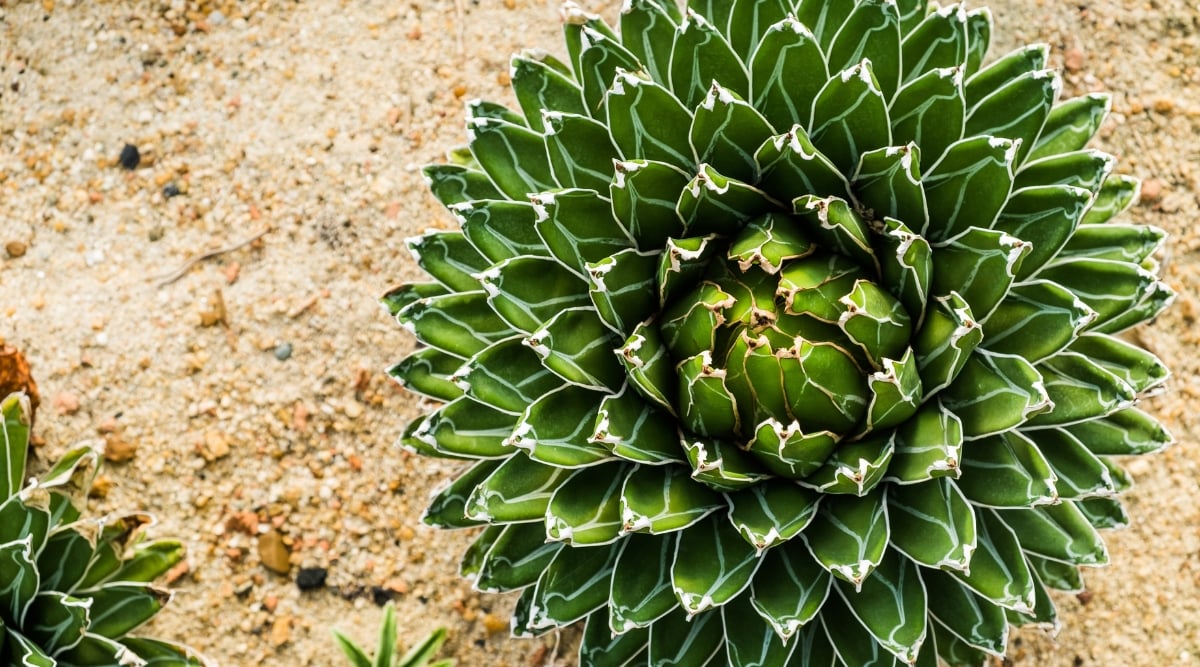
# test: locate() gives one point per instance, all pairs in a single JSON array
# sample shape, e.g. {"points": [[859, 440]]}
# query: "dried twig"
{"points": [[169, 278]]}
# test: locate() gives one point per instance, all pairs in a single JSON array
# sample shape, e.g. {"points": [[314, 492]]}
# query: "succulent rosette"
{"points": [[783, 333], [73, 589]]}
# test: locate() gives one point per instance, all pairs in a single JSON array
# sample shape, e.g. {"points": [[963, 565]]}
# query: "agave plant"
{"points": [[385, 655], [72, 588], [783, 332]]}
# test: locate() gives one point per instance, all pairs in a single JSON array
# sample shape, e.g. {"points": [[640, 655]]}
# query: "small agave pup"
{"points": [[71, 588], [783, 333]]}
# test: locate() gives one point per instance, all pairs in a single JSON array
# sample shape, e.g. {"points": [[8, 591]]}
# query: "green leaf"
{"points": [[679, 640], [1128, 431], [906, 265], [888, 181], [933, 524], [452, 184], [996, 392], [16, 414], [601, 57], [938, 41], [406, 295], [823, 18], [1085, 169], [998, 568], [890, 604], [586, 510], [769, 242], [540, 86], [969, 617], [517, 557], [500, 229], [945, 342], [575, 22], [854, 467], [726, 131], [715, 204], [1103, 513], [575, 584], [556, 429], [448, 507], [648, 31], [158, 653], [712, 565], [528, 291], [834, 223], [642, 591], [720, 464], [95, 650], [649, 367], [1057, 575], [771, 513], [706, 406], [1045, 217], [980, 265], [472, 559], [1011, 66], [1121, 243], [514, 157], [1036, 320], [871, 32], [750, 19], [790, 588], [1133, 365], [644, 194], [895, 393], [581, 151], [850, 534], [1079, 473], [953, 650], [464, 427], [852, 642], [601, 648], [1007, 470], [1059, 532], [18, 577], [979, 32], [930, 112], [1116, 194], [449, 258], [788, 451], [1017, 110], [637, 431], [789, 165], [150, 560], [1080, 389], [850, 116], [786, 70], [478, 108], [420, 654], [749, 640], [648, 122], [577, 346], [56, 621], [118, 608], [703, 55], [578, 227], [1071, 125], [517, 490], [387, 640], [824, 387], [929, 445], [876, 322], [664, 499], [507, 376], [978, 170]]}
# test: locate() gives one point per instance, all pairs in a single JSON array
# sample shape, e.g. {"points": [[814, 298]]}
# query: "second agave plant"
{"points": [[783, 333]]}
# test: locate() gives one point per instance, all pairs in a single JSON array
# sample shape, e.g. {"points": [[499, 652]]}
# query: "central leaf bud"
{"points": [[785, 349]]}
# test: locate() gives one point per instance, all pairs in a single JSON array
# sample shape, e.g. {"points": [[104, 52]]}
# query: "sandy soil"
{"points": [[248, 397]]}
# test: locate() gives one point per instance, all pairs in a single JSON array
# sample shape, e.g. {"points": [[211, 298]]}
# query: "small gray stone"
{"points": [[283, 351]]}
